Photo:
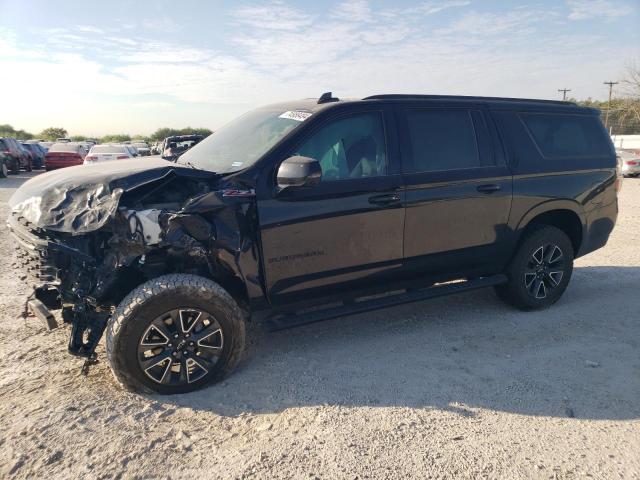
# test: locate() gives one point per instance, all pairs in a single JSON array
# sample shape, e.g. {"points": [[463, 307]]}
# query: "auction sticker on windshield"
{"points": [[297, 115]]}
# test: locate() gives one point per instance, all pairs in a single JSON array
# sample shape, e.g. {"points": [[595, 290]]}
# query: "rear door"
{"points": [[458, 191], [347, 231]]}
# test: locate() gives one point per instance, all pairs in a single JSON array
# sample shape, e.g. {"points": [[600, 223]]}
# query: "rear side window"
{"points": [[441, 140], [559, 136]]}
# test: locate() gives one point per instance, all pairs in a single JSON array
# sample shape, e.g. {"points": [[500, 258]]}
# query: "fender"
{"points": [[548, 206]]}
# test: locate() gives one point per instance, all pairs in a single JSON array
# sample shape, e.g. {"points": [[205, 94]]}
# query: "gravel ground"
{"points": [[457, 387]]}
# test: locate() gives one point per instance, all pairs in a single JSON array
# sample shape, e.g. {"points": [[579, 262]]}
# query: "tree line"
{"points": [[52, 133]]}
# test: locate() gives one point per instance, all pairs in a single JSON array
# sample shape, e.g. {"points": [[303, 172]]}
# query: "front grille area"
{"points": [[33, 256]]}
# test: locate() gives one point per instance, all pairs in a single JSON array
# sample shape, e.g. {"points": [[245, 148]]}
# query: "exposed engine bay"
{"points": [[89, 240]]}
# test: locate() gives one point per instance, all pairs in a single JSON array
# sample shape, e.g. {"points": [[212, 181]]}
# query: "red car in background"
{"points": [[62, 155]]}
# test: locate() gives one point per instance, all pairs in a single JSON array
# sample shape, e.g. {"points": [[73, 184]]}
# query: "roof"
{"points": [[313, 105], [466, 98]]}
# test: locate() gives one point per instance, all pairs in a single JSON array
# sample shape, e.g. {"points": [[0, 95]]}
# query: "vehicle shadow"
{"points": [[580, 358]]}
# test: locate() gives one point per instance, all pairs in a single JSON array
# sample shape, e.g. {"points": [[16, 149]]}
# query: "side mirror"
{"points": [[299, 171]]}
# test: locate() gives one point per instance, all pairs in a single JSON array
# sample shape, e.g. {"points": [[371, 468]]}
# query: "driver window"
{"points": [[352, 147]]}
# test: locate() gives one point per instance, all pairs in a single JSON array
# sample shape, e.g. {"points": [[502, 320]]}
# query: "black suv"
{"points": [[17, 154], [310, 210]]}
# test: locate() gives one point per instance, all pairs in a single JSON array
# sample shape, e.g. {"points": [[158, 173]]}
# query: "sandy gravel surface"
{"points": [[458, 387]]}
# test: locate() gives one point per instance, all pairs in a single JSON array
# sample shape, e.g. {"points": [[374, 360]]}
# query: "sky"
{"points": [[135, 66]]}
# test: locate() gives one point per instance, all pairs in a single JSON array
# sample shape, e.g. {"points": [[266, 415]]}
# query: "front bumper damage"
{"points": [[84, 247], [43, 259]]}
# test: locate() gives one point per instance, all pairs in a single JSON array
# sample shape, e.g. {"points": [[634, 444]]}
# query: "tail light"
{"points": [[631, 162], [122, 157]]}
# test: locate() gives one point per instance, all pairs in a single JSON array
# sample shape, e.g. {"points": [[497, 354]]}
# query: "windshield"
{"points": [[240, 143]]}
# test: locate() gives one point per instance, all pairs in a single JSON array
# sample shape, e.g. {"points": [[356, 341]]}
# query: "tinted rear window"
{"points": [[441, 140], [64, 147], [559, 136]]}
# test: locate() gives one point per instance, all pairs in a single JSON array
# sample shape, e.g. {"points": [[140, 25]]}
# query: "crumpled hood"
{"points": [[83, 198]]}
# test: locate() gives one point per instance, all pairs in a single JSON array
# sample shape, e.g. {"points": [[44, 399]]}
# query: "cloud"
{"points": [[278, 52], [431, 8], [589, 9], [160, 23], [354, 11], [90, 29], [520, 21], [274, 15]]}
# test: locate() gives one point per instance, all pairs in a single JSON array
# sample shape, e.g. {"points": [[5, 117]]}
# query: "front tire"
{"points": [[4, 170], [540, 270], [175, 334]]}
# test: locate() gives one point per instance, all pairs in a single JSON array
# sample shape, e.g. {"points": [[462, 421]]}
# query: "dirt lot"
{"points": [[459, 387]]}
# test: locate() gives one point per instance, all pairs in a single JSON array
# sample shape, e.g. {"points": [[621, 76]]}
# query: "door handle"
{"points": [[384, 199], [488, 188]]}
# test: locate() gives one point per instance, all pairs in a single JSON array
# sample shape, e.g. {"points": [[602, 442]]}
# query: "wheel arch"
{"points": [[565, 215]]}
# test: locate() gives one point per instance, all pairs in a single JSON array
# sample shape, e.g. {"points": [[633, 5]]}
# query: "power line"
{"points": [[606, 118], [564, 92]]}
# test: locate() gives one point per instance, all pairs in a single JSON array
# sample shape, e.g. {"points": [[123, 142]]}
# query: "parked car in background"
{"points": [[5, 162], [37, 154], [630, 166], [132, 150], [28, 157], [19, 157], [107, 152], [63, 140], [65, 154], [173, 147], [142, 148], [155, 148], [46, 145]]}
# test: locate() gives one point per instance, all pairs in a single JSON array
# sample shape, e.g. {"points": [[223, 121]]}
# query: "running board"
{"points": [[290, 320]]}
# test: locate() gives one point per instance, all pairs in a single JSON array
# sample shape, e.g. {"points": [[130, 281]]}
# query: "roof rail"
{"points": [[396, 96]]}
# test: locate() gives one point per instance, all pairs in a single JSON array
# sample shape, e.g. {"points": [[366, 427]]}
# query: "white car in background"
{"points": [[143, 148], [107, 152], [630, 163]]}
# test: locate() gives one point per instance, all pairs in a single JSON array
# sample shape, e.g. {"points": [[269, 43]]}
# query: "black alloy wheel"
{"points": [[544, 271], [180, 347]]}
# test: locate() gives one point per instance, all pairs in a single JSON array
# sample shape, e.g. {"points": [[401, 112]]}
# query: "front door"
{"points": [[346, 232]]}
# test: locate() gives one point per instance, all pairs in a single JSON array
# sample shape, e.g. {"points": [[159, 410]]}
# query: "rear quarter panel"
{"points": [[585, 186]]}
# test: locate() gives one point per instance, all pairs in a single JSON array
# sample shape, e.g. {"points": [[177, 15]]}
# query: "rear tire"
{"points": [[540, 270], [29, 167], [15, 168], [4, 170], [146, 327]]}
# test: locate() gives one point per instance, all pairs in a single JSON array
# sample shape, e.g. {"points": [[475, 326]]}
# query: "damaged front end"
{"points": [[87, 240]]}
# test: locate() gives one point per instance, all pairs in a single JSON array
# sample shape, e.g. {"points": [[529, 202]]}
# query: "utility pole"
{"points": [[606, 117], [564, 92]]}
